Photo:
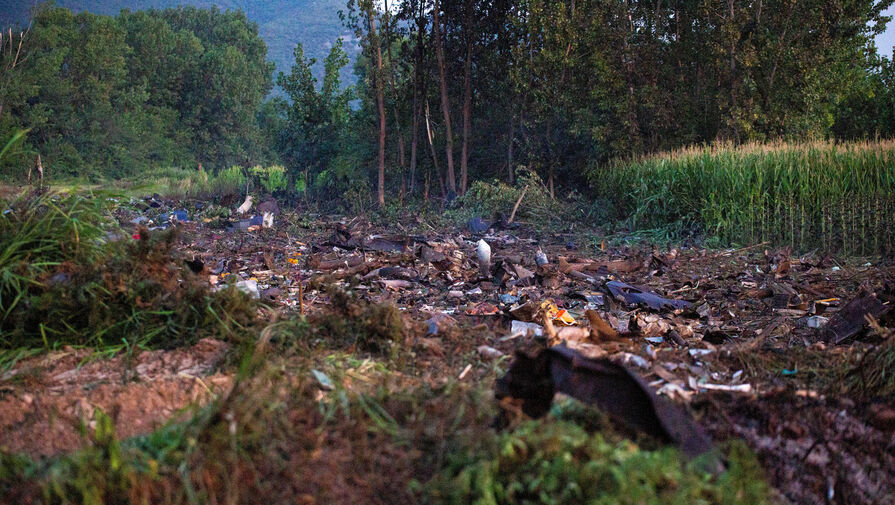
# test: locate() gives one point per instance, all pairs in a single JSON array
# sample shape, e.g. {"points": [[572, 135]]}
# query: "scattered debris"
{"points": [[852, 318], [533, 379]]}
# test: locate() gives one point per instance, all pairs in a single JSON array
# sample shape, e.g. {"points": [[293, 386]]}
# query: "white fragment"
{"points": [[521, 328], [483, 254], [488, 352], [249, 287], [246, 205]]}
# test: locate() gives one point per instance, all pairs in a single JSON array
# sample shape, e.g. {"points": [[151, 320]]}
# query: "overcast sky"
{"points": [[885, 41]]}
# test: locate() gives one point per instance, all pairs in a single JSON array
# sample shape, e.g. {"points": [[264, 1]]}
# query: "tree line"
{"points": [[111, 96], [450, 91], [560, 86]]}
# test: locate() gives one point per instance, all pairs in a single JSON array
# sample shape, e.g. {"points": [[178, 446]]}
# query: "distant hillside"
{"points": [[281, 23]]}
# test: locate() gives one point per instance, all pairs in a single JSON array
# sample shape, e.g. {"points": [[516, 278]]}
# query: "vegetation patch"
{"points": [[69, 276], [359, 324], [825, 196], [491, 199]]}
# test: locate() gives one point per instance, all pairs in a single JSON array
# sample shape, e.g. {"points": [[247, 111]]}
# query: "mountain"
{"points": [[281, 23]]}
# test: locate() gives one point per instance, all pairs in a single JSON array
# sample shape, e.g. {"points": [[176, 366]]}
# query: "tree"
{"points": [[311, 136]]}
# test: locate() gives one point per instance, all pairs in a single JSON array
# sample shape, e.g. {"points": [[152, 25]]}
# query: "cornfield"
{"points": [[817, 196]]}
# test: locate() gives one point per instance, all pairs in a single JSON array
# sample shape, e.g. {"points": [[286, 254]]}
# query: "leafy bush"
{"points": [[492, 198], [272, 178], [556, 462]]}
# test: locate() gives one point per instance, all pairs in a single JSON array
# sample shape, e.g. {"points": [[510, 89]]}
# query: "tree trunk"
{"points": [[416, 105], [380, 105], [391, 82], [445, 104], [434, 154], [467, 99], [510, 171]]}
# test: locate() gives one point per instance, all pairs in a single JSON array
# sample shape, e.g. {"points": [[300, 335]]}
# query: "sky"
{"points": [[886, 40]]}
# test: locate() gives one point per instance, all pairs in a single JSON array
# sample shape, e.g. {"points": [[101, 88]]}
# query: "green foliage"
{"points": [[314, 132], [178, 182], [272, 179], [825, 196], [113, 96], [555, 462], [486, 199], [41, 232], [12, 142], [68, 276]]}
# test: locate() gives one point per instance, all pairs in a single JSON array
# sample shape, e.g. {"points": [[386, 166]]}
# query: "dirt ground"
{"points": [[746, 339], [44, 401]]}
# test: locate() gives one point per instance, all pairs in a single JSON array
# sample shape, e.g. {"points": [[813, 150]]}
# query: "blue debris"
{"points": [[477, 225], [508, 299]]}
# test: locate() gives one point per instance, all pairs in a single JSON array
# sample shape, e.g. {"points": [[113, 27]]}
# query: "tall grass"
{"points": [[178, 182], [835, 198], [69, 276], [40, 232]]}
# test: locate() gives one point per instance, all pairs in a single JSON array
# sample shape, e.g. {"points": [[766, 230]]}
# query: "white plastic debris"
{"points": [[249, 287], [267, 220], [323, 380], [246, 205], [488, 352], [627, 358], [817, 321], [483, 254], [699, 352], [518, 328]]}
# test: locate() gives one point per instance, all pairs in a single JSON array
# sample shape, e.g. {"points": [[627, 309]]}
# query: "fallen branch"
{"points": [[516, 207]]}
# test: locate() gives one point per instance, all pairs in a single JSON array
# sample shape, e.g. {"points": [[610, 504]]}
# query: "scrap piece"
{"points": [[535, 378], [849, 320], [634, 295]]}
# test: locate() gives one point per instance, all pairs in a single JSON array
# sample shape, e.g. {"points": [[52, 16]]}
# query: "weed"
{"points": [[490, 199], [39, 232], [874, 375], [359, 324], [557, 461]]}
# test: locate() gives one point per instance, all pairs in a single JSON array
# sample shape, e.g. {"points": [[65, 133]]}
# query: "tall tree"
{"points": [[445, 101]]}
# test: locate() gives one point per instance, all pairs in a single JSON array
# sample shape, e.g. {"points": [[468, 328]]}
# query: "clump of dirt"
{"points": [[360, 324], [141, 293], [45, 400]]}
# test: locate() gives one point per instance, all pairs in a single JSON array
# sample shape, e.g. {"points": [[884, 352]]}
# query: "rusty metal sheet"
{"points": [[621, 393]]}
